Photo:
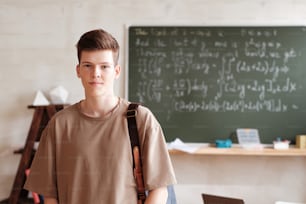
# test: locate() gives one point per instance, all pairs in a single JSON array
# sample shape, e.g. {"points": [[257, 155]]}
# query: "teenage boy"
{"points": [[85, 154]]}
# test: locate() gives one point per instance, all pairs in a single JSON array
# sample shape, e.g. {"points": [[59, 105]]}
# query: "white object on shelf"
{"points": [[281, 144], [40, 99], [58, 95]]}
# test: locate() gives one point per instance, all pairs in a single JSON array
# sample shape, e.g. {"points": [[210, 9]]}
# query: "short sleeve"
{"points": [[157, 167], [42, 178]]}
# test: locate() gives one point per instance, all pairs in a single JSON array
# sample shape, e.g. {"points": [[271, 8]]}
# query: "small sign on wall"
{"points": [[248, 136]]}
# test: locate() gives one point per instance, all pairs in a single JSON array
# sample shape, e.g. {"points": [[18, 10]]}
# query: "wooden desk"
{"points": [[239, 151]]}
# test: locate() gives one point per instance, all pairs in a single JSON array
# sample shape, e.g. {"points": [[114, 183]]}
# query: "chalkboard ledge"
{"points": [[236, 150]]}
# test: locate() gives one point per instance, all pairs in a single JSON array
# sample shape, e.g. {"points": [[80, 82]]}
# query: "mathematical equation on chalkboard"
{"points": [[216, 70]]}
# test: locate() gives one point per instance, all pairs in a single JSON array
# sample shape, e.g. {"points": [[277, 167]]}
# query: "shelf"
{"points": [[239, 151], [41, 116]]}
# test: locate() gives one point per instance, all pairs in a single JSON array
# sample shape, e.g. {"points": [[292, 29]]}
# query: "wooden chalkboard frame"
{"points": [[285, 125]]}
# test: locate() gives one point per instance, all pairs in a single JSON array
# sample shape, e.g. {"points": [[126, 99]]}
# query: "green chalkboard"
{"points": [[202, 83]]}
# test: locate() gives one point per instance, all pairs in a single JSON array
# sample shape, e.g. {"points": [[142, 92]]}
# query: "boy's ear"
{"points": [[117, 71], [77, 68]]}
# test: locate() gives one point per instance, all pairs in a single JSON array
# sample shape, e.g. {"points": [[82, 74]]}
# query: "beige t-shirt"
{"points": [[89, 160]]}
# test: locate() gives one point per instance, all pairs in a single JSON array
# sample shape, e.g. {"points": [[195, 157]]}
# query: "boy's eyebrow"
{"points": [[87, 62]]}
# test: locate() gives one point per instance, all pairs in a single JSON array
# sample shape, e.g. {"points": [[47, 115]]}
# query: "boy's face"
{"points": [[98, 72]]}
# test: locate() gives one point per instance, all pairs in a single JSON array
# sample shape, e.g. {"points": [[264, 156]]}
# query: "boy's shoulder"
{"points": [[69, 111], [142, 108]]}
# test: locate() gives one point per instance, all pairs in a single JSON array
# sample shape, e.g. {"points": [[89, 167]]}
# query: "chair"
{"points": [[171, 195], [214, 199]]}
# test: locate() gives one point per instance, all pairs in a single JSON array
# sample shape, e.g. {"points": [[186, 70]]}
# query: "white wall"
{"points": [[37, 52], [256, 179]]}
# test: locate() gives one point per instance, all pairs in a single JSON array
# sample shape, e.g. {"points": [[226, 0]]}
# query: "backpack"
{"points": [[133, 132]]}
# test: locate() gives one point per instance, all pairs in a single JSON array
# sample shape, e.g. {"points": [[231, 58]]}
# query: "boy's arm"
{"points": [[49, 200], [158, 195]]}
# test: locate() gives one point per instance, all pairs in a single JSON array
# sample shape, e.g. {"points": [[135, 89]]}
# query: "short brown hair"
{"points": [[98, 39]]}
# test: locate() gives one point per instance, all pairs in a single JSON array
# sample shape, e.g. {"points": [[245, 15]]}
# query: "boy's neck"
{"points": [[99, 107]]}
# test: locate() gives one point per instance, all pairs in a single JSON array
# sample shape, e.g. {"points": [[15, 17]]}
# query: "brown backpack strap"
{"points": [[137, 164]]}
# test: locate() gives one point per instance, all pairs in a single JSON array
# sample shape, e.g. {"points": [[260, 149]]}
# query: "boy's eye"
{"points": [[87, 65], [105, 66]]}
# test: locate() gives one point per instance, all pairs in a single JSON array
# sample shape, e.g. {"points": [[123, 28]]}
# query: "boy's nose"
{"points": [[97, 72]]}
